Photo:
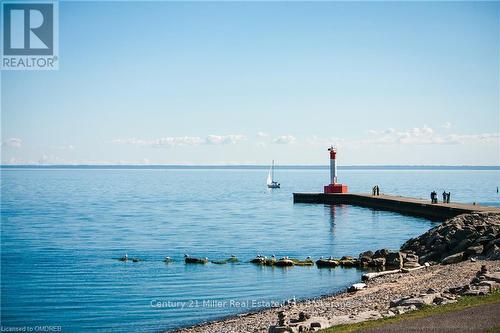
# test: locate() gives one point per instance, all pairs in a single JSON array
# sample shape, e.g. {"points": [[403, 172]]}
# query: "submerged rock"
{"points": [[347, 261], [219, 262], [265, 261], [306, 262], [284, 262], [190, 260], [127, 258], [231, 259], [330, 262], [258, 260]]}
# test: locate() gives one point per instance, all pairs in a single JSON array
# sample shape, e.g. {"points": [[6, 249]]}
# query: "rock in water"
{"points": [[258, 260], [190, 260], [305, 262], [283, 262], [365, 258], [327, 263]]}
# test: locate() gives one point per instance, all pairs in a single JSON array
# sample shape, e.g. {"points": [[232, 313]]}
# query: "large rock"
{"points": [[412, 264], [410, 260], [377, 262], [494, 276], [428, 298], [474, 250], [366, 254], [382, 253], [453, 259], [304, 323], [473, 235], [493, 253], [356, 287], [411, 257], [394, 259], [365, 258], [348, 261], [483, 283]]}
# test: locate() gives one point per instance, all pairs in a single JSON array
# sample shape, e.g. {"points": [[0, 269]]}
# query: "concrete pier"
{"points": [[410, 206]]}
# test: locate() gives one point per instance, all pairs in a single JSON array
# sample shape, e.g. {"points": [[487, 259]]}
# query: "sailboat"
{"points": [[271, 183]]}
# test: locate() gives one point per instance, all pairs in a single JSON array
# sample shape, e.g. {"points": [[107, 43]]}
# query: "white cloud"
{"points": [[466, 138], [262, 135], [446, 125], [184, 141], [285, 139], [224, 139], [162, 142], [13, 143], [426, 136], [175, 141]]}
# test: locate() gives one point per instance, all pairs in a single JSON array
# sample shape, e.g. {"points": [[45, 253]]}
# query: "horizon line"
{"points": [[282, 166]]}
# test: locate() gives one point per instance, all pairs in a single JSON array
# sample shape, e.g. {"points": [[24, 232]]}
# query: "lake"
{"points": [[62, 230]]}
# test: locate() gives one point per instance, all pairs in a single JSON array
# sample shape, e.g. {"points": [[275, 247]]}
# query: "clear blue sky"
{"points": [[226, 83]]}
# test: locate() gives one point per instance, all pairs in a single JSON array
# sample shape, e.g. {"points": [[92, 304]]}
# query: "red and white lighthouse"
{"points": [[334, 187]]}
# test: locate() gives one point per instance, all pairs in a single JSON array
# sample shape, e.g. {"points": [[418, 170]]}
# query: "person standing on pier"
{"points": [[445, 195], [433, 197], [377, 189], [448, 197]]}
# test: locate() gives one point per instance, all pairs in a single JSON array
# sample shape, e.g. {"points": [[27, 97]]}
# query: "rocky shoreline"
{"points": [[429, 278]]}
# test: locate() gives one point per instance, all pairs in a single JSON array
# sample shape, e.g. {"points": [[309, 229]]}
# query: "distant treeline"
{"points": [[290, 167]]}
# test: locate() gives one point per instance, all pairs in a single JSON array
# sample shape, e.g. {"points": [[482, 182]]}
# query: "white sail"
{"points": [[269, 177]]}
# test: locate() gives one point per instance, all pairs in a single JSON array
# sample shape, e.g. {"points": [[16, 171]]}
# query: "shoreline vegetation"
{"points": [[458, 258]]}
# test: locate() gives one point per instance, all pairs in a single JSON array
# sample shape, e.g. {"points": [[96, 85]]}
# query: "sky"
{"points": [[211, 83]]}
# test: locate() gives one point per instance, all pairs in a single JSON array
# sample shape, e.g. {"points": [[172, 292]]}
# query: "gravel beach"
{"points": [[376, 297]]}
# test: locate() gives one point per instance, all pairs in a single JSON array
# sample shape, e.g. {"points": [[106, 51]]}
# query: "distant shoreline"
{"points": [[250, 167]]}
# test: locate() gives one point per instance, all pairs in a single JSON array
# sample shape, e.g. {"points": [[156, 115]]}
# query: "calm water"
{"points": [[61, 230]]}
